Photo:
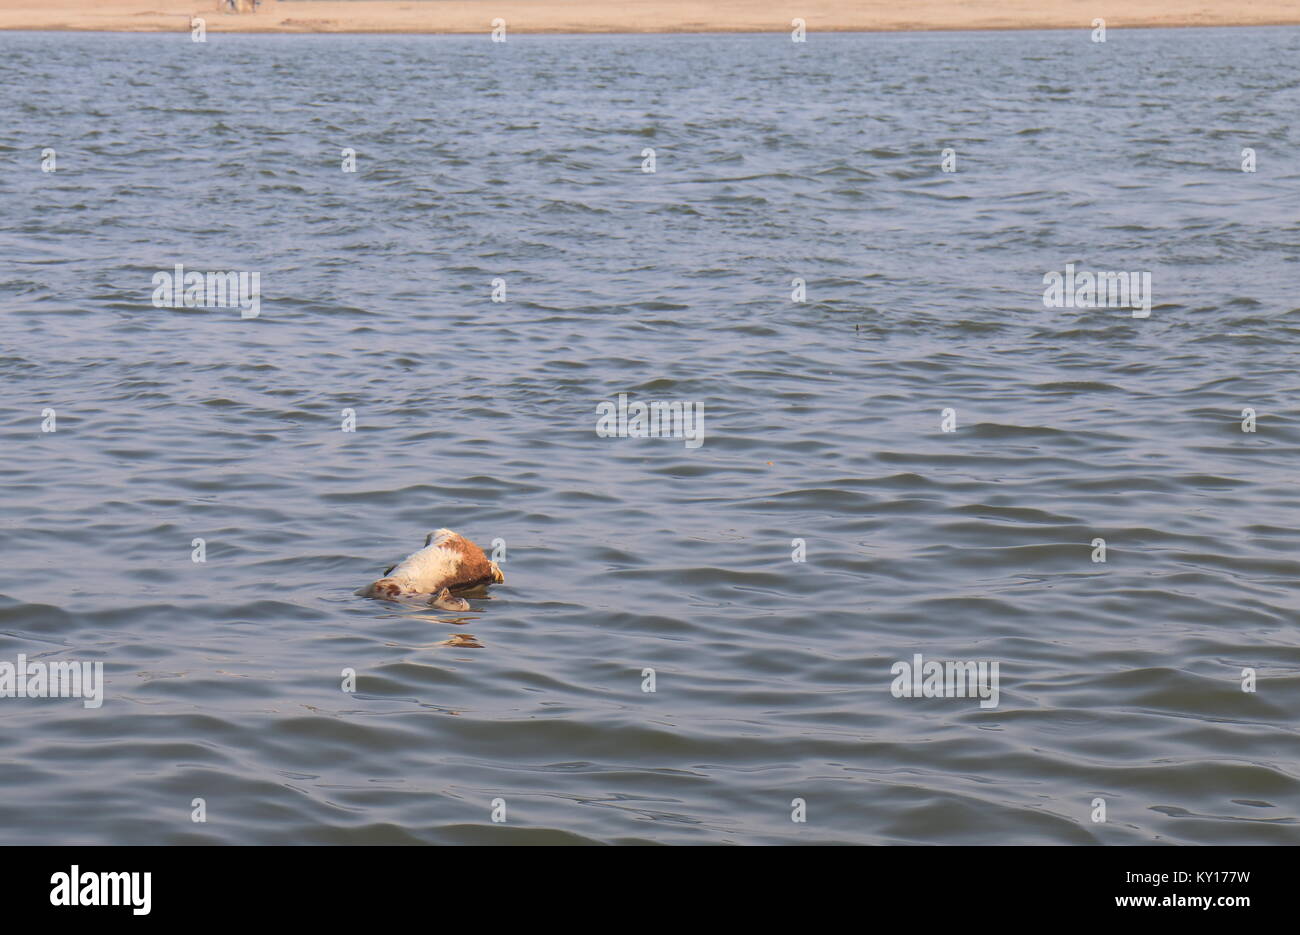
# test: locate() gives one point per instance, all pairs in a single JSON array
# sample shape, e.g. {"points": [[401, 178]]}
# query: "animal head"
{"points": [[446, 601], [497, 576]]}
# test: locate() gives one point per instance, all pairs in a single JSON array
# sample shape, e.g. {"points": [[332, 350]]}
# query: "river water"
{"points": [[767, 583]]}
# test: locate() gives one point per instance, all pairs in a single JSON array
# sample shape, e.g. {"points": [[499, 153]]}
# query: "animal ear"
{"points": [[389, 571], [428, 539], [444, 595]]}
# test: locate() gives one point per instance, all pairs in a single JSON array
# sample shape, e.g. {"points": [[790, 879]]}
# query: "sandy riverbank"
{"points": [[603, 16]]}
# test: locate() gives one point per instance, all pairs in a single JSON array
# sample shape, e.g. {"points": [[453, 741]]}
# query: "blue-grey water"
{"points": [[476, 161]]}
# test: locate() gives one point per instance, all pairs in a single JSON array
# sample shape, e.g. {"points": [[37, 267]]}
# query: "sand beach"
{"points": [[632, 16]]}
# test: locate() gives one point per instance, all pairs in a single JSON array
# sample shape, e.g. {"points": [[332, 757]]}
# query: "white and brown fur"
{"points": [[448, 562]]}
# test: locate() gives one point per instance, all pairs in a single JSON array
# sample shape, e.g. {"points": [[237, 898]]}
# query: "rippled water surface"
{"points": [[775, 161]]}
